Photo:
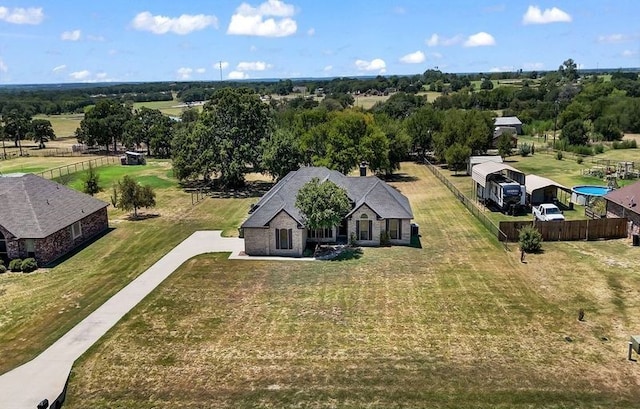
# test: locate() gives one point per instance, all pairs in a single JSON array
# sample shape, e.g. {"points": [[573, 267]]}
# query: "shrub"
{"points": [[353, 240], [559, 155], [3, 269], [626, 144], [530, 239], [384, 239], [1, 262], [579, 160], [582, 150], [15, 265], [28, 265], [525, 149], [599, 148]]}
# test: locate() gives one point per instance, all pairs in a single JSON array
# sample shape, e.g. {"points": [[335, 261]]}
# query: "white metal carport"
{"points": [[543, 190]]}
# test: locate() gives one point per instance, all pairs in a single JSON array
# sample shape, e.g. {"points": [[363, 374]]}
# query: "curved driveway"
{"points": [[45, 376]]}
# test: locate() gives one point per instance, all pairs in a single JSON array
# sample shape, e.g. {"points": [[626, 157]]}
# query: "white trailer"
{"points": [[500, 184]]}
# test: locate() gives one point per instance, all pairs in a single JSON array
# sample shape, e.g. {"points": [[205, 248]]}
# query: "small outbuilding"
{"points": [[133, 158], [543, 190], [476, 160], [623, 202], [509, 122]]}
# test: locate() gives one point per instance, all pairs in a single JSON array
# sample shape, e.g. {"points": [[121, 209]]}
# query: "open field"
{"points": [[36, 309], [34, 164], [457, 323]]}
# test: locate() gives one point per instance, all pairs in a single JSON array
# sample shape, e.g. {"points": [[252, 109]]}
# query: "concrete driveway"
{"points": [[45, 376]]}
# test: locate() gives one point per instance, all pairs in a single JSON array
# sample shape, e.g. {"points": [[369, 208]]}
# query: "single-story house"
{"points": [[543, 190], [275, 226], [501, 130], [45, 220], [509, 121], [476, 160], [623, 202]]}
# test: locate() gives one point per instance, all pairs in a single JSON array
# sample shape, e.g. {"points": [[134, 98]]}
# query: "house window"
{"points": [[76, 230], [3, 246], [394, 227], [284, 239], [321, 233], [30, 244], [364, 228]]}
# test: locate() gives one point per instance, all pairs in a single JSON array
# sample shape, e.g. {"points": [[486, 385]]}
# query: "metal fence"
{"points": [[66, 170], [470, 205]]}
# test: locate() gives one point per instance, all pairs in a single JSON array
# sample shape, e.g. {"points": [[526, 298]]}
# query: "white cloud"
{"points": [[311, 31], [629, 53], [327, 68], [504, 68], [101, 75], [252, 66], [182, 25], [59, 68], [238, 75], [376, 64], [531, 66], [413, 58], [480, 39], [253, 21], [70, 35], [613, 38], [553, 15], [19, 15], [437, 40], [3, 66], [80, 75], [200, 70], [184, 73]]}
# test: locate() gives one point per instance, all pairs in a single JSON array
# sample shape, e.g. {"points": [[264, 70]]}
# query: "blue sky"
{"points": [[47, 41]]}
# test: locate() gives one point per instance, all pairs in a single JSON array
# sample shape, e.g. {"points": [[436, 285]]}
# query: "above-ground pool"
{"points": [[582, 194]]}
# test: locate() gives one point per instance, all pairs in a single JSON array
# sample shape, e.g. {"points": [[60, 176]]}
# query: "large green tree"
{"points": [[104, 124], [322, 204], [17, 123], [575, 132], [421, 126], [228, 137], [281, 154], [42, 132], [457, 156], [151, 128], [132, 196]]}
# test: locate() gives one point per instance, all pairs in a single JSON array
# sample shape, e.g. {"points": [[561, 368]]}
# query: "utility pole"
{"points": [[555, 123], [220, 62]]}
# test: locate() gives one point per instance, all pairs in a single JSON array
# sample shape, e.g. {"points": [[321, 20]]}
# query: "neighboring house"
{"points": [[275, 225], [509, 122], [501, 130], [43, 219], [623, 202]]}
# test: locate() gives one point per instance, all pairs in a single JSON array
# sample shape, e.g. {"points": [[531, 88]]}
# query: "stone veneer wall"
{"points": [[61, 242]]}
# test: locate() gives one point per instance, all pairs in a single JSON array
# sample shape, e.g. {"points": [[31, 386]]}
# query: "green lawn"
{"points": [[456, 323]]}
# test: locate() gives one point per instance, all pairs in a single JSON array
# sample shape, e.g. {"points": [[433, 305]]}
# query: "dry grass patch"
{"points": [[456, 323]]}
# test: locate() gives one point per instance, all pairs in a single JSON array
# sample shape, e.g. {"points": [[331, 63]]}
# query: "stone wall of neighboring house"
{"points": [[299, 236], [616, 210], [378, 226], [61, 242]]}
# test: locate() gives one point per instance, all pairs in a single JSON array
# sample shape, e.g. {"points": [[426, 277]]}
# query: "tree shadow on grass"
{"points": [[79, 248], [139, 217], [250, 189], [349, 253], [399, 177]]}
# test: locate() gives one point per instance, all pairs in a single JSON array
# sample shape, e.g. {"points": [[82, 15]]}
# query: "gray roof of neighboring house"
{"points": [[627, 197], [384, 200], [33, 207], [507, 121]]}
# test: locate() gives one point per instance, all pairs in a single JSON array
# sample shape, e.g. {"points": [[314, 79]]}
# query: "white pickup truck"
{"points": [[547, 212]]}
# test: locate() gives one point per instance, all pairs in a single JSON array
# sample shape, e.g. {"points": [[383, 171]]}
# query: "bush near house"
{"points": [[15, 265], [530, 239], [3, 269], [28, 265]]}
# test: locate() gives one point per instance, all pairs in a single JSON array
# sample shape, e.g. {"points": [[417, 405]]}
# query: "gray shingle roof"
{"points": [[33, 207], [627, 197], [507, 120], [386, 201]]}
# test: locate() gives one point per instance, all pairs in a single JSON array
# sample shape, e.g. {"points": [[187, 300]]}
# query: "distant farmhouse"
{"points": [[624, 202], [275, 225], [509, 122], [44, 219]]}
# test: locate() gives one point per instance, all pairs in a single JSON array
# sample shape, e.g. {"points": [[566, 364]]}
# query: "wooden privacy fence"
{"points": [[569, 230]]}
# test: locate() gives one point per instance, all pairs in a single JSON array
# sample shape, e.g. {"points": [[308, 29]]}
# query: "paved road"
{"points": [[45, 376]]}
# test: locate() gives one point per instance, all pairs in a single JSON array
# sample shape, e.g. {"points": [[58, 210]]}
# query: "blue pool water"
{"points": [[591, 190]]}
